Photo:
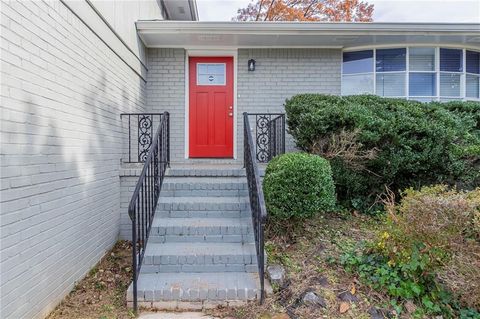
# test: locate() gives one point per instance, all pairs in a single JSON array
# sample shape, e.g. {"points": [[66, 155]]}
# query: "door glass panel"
{"points": [[211, 73]]}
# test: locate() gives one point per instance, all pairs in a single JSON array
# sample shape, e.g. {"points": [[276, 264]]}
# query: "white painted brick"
{"points": [[61, 142]]}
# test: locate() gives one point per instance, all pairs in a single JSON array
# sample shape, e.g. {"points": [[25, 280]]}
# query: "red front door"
{"points": [[211, 107]]}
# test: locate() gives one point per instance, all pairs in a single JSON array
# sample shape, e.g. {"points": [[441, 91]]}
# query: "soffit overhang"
{"points": [[192, 34]]}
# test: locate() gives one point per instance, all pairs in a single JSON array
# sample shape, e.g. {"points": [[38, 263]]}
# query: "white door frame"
{"points": [[212, 53]]}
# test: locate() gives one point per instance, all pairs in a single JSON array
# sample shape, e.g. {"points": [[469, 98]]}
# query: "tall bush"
{"points": [[393, 142]]}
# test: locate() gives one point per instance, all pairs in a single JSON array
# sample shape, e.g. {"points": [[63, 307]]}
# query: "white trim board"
{"points": [[96, 23], [210, 53]]}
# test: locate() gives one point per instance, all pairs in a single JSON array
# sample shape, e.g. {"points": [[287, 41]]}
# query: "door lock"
{"points": [[230, 107]]}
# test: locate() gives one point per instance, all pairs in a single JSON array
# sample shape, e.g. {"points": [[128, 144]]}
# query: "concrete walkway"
{"points": [[174, 315]]}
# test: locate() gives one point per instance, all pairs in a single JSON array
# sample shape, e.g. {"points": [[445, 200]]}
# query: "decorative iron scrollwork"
{"points": [[144, 136], [262, 139], [269, 135]]}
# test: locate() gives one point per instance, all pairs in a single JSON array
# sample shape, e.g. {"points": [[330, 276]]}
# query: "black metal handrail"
{"points": [[141, 127], [257, 201], [269, 132], [145, 196]]}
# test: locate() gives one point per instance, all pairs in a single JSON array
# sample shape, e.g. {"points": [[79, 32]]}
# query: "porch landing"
{"points": [[201, 249]]}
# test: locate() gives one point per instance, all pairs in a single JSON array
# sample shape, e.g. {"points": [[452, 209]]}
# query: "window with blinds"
{"points": [[357, 69], [472, 74], [420, 73]]}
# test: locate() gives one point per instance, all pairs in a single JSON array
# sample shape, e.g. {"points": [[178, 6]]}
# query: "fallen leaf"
{"points": [[410, 306], [344, 307], [353, 290]]}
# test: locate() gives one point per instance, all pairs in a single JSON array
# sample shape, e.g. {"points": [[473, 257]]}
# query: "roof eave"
{"points": [[319, 28]]}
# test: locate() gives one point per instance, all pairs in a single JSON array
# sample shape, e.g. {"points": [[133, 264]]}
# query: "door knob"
{"points": [[230, 114]]}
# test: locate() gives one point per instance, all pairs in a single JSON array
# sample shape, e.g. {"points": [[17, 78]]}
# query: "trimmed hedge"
{"points": [[298, 185], [414, 143]]}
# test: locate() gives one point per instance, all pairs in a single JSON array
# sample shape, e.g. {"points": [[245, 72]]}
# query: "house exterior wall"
{"points": [[128, 180], [65, 79], [166, 92], [279, 74], [122, 15]]}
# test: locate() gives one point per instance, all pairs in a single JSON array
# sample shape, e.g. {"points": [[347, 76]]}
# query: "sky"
{"points": [[385, 10]]}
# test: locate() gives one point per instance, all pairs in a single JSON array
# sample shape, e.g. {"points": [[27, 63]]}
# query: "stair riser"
{"points": [[240, 259], [150, 269], [206, 206], [177, 184], [204, 214], [206, 173], [197, 295], [203, 192], [201, 230], [201, 239]]}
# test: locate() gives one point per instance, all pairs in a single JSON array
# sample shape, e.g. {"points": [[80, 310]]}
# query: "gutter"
{"points": [[310, 28]]}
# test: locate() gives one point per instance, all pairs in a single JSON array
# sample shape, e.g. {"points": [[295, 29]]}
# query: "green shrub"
{"points": [[298, 185], [392, 142], [427, 251]]}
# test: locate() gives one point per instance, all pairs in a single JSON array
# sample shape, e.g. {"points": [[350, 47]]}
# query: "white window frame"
{"points": [[437, 72]]}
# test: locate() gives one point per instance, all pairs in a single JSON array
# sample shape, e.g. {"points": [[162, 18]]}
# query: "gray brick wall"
{"points": [[62, 92], [166, 92], [129, 175], [279, 74]]}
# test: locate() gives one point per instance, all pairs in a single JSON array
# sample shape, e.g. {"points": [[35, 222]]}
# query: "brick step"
{"points": [[210, 183], [199, 257], [201, 226], [204, 214], [207, 170], [201, 238], [204, 192], [195, 287], [187, 268], [207, 203]]}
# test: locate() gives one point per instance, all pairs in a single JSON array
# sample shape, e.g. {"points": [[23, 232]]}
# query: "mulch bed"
{"points": [[102, 293]]}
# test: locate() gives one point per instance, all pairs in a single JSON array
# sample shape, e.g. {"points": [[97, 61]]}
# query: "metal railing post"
{"points": [[144, 199]]}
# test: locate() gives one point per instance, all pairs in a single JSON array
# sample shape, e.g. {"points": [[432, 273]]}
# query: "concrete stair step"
{"points": [[195, 287], [201, 226], [207, 203]]}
